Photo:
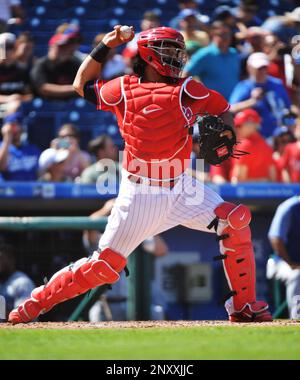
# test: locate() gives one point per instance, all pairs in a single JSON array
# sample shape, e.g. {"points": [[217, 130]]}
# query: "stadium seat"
{"points": [[37, 123]]}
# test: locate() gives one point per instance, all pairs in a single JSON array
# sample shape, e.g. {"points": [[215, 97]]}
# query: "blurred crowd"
{"points": [[253, 62]]}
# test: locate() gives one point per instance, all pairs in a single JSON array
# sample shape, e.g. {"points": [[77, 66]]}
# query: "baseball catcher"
{"points": [[155, 108]]}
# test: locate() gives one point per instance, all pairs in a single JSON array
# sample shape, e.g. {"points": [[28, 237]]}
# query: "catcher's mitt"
{"points": [[215, 149]]}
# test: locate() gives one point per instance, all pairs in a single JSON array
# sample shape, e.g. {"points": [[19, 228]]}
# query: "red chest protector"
{"points": [[157, 141]]}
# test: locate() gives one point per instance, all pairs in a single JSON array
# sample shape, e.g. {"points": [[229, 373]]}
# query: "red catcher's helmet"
{"points": [[249, 115], [163, 48]]}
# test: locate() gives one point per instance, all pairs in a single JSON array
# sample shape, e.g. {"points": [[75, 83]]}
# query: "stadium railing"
{"points": [[138, 298]]}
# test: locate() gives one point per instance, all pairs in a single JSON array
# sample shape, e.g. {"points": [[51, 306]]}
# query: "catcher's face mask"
{"points": [[164, 49]]}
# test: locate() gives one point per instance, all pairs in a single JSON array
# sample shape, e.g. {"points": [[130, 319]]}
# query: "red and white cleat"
{"points": [[254, 312], [14, 317], [27, 311]]}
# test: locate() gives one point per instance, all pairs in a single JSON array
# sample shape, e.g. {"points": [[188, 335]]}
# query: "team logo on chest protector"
{"points": [[188, 113]]}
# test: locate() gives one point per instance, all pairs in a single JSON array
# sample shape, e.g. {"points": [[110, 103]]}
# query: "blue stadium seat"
{"points": [[43, 119], [40, 129]]}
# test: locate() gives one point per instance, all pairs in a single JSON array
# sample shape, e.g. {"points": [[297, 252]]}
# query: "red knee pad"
{"points": [[237, 252], [238, 217], [114, 259]]}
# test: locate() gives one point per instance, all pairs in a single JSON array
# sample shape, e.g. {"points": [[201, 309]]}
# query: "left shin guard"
{"points": [[232, 227], [69, 282]]}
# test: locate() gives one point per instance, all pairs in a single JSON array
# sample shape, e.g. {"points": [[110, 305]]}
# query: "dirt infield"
{"points": [[142, 324]]}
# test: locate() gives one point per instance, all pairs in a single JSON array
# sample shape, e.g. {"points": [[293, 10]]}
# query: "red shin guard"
{"points": [[236, 246], [70, 282], [232, 227]]}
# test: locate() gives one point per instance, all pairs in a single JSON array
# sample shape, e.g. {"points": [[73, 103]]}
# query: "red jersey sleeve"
{"points": [[216, 103], [204, 99]]}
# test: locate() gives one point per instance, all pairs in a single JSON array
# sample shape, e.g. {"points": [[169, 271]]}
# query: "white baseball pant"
{"points": [[141, 211]]}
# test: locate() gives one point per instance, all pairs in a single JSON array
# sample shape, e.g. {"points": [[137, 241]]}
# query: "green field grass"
{"points": [[228, 342]]}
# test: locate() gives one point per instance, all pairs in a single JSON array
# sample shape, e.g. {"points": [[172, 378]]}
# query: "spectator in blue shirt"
{"points": [[15, 286], [217, 65], [18, 159], [285, 240], [264, 93]]}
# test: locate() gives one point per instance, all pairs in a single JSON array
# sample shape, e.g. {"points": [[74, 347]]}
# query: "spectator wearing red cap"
{"points": [[75, 39], [281, 137], [222, 173], [291, 158], [258, 164], [53, 75]]}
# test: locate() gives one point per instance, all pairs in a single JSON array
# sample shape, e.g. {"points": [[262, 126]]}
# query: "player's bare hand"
{"points": [[114, 38], [7, 132], [257, 94]]}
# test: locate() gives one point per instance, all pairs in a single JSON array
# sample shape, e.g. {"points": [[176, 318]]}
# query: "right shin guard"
{"points": [[232, 227], [234, 233]]}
